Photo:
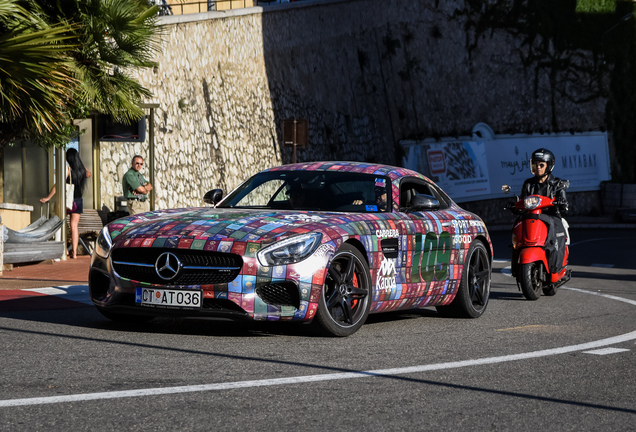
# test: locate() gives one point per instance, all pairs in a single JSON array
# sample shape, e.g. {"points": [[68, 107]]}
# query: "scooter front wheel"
{"points": [[530, 280]]}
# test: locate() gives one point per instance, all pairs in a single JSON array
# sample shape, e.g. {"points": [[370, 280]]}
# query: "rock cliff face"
{"points": [[365, 73]]}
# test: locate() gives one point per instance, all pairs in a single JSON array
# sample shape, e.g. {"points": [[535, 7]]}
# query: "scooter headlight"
{"points": [[531, 202]]}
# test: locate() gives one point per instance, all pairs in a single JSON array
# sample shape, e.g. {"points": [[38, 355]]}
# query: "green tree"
{"points": [[102, 43], [35, 73]]}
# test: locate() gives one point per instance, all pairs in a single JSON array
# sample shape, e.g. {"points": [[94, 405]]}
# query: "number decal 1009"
{"points": [[431, 256]]}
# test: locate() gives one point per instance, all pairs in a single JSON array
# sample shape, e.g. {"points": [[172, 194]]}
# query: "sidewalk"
{"points": [[69, 272]]}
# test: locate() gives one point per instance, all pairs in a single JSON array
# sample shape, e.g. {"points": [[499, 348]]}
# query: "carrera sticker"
{"points": [[387, 233]]}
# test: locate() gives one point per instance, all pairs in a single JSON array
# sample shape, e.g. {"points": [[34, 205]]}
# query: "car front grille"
{"points": [[197, 267]]}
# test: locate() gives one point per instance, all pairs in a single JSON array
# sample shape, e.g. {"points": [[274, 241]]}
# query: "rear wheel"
{"points": [[474, 289], [530, 280], [550, 291], [346, 296]]}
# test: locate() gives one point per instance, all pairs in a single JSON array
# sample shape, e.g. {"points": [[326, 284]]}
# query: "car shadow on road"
{"points": [[51, 310]]}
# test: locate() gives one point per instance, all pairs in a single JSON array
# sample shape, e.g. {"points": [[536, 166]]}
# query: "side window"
{"points": [[262, 194], [444, 200]]}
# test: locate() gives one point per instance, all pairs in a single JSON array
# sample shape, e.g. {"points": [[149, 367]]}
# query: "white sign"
{"points": [[470, 170]]}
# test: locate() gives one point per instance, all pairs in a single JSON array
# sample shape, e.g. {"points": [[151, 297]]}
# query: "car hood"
{"points": [[210, 223]]}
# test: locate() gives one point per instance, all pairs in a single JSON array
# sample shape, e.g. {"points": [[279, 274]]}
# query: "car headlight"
{"points": [[103, 243], [289, 251], [531, 202]]}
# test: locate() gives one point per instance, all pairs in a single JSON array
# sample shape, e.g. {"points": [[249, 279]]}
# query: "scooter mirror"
{"points": [[506, 189]]}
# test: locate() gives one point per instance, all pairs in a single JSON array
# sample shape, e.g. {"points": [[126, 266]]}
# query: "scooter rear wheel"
{"points": [[529, 279], [549, 291]]}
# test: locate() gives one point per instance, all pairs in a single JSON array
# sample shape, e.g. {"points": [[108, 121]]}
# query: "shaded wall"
{"points": [[365, 73]]}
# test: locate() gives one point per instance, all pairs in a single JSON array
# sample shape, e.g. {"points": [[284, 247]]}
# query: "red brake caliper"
{"points": [[355, 284]]}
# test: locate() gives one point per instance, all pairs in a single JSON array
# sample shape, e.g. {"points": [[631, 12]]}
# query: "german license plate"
{"points": [[169, 298]]}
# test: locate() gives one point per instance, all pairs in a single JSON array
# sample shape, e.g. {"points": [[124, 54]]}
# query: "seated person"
{"points": [[297, 197], [381, 199]]}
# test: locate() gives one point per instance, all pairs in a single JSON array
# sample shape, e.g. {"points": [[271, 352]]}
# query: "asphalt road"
{"points": [[560, 363]]}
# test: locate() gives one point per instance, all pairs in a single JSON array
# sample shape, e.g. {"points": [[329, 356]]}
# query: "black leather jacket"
{"points": [[547, 188]]}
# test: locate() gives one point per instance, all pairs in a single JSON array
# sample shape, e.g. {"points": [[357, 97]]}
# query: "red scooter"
{"points": [[539, 245]]}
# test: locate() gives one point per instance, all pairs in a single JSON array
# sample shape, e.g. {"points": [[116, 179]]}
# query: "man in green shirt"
{"points": [[136, 187]]}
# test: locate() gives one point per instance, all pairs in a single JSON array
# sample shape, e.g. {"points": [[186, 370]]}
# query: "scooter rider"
{"points": [[544, 183]]}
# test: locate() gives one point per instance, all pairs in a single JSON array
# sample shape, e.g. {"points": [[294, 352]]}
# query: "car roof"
{"points": [[392, 172]]}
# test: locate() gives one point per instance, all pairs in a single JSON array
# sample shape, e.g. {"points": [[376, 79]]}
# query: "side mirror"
{"points": [[213, 197], [506, 189], [421, 202]]}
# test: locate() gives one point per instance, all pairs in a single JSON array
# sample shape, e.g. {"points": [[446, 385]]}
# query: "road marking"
{"points": [[314, 378], [588, 347], [49, 298], [605, 351], [524, 327], [78, 293], [603, 265], [632, 302]]}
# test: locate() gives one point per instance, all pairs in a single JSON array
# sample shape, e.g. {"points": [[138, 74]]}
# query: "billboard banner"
{"points": [[470, 170]]}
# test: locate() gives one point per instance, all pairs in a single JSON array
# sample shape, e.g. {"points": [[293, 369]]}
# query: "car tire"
{"points": [[346, 295], [473, 293]]}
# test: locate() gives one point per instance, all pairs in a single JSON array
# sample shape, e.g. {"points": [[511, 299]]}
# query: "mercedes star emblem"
{"points": [[167, 266]]}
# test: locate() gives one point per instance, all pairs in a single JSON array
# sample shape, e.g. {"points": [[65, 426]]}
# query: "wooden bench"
{"points": [[90, 224]]}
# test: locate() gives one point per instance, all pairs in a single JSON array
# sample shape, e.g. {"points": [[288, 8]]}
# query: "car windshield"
{"points": [[313, 190]]}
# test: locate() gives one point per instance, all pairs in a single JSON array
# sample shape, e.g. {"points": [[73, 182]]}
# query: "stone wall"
{"points": [[365, 73]]}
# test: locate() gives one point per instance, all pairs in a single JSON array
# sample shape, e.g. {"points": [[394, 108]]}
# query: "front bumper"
{"points": [[256, 293]]}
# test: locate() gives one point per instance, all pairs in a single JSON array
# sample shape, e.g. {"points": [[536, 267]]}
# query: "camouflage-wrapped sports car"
{"points": [[325, 242]]}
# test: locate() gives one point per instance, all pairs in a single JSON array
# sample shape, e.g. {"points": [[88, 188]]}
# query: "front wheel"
{"points": [[530, 280], [346, 296], [474, 289]]}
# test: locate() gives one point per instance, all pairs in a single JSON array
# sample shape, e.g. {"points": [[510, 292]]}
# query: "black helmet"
{"points": [[542, 155]]}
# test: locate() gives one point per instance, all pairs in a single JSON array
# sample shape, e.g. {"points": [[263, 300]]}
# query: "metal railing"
{"points": [[177, 7]]}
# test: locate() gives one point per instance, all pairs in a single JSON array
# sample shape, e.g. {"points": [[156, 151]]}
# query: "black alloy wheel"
{"points": [[473, 293], [345, 300]]}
